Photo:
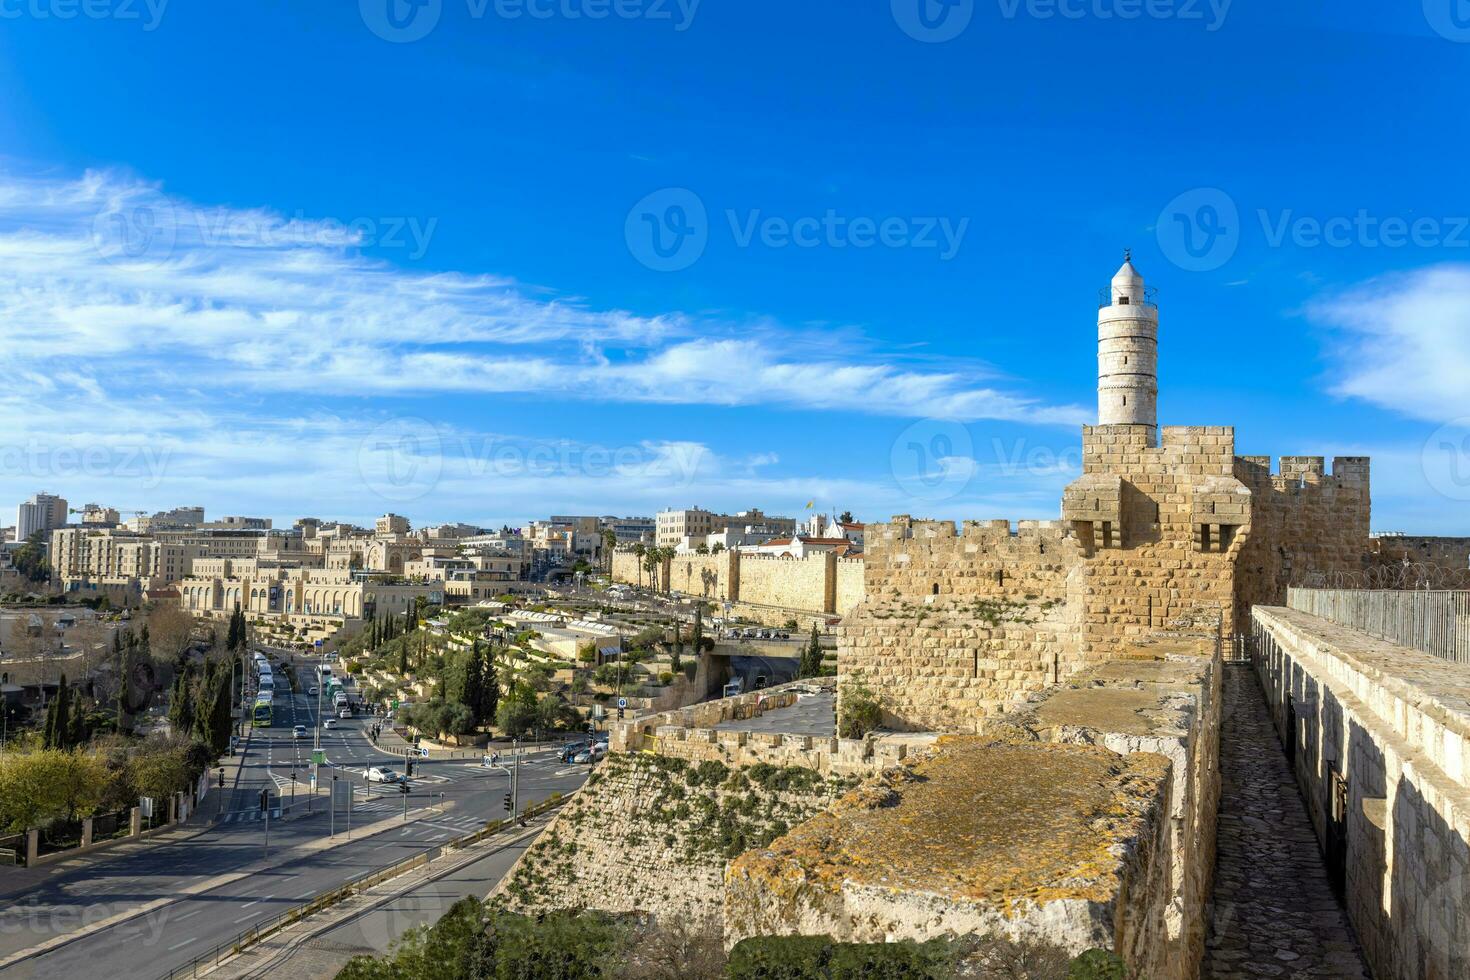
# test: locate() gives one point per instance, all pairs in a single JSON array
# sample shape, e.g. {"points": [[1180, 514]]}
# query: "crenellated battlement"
{"points": [[1298, 472]]}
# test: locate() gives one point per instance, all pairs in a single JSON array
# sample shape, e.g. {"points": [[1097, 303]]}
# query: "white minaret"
{"points": [[1128, 353]]}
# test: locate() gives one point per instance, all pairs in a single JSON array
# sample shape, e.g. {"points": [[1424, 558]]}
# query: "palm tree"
{"points": [[639, 551], [609, 545]]}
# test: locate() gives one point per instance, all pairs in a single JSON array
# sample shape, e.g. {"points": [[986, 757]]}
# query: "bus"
{"points": [[323, 675], [260, 715]]}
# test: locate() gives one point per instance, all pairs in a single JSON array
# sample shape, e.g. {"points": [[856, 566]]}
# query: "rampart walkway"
{"points": [[1273, 913]]}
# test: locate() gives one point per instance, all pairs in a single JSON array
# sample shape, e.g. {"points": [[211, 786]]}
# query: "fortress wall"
{"points": [[817, 584], [1448, 553], [710, 576], [1304, 521], [1379, 736], [958, 623], [851, 586], [793, 583], [1160, 573]]}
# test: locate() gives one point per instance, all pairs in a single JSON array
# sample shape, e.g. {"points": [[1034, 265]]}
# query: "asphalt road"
{"points": [[161, 939]]}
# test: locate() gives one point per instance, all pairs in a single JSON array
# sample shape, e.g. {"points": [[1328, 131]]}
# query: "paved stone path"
{"points": [[1274, 913]]}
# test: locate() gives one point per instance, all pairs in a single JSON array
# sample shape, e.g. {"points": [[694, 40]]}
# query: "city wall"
{"points": [[959, 623], [1305, 522], [1083, 819], [822, 585], [1379, 738]]}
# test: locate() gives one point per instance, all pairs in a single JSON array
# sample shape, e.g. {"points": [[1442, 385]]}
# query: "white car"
{"points": [[330, 723], [344, 713], [382, 774], [312, 691], [299, 731]]}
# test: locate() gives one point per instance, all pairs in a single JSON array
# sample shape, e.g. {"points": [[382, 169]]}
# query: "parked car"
{"points": [[299, 731], [382, 774]]}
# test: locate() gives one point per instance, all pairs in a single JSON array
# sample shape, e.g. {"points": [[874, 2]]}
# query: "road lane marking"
{"points": [[257, 901], [187, 915], [250, 916], [182, 944]]}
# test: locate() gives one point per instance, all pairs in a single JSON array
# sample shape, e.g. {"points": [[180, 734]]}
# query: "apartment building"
{"points": [[688, 528], [44, 512]]}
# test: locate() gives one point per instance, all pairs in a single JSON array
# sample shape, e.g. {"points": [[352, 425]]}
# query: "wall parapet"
{"points": [[1379, 740]]}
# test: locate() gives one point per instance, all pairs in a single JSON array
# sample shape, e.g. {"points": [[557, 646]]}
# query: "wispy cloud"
{"points": [[220, 341], [1403, 341]]}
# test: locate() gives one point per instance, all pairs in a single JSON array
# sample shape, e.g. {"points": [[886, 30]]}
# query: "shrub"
{"points": [[780, 958], [1097, 964], [862, 709]]}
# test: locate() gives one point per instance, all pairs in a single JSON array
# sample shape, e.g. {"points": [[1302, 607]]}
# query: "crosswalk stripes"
{"points": [[249, 816]]}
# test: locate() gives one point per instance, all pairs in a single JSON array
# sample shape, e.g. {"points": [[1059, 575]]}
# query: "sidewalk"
{"points": [[16, 882]]}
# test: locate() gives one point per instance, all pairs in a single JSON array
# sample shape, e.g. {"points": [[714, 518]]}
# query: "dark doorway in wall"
{"points": [[1337, 833], [1290, 745]]}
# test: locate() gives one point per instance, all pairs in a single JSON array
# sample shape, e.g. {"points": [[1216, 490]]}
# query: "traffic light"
{"points": [[508, 804], [265, 800], [408, 767]]}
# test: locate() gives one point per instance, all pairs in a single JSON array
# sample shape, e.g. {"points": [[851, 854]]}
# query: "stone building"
{"points": [[1165, 529]]}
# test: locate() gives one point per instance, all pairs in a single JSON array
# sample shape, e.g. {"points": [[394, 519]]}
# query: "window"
{"points": [[1122, 300]]}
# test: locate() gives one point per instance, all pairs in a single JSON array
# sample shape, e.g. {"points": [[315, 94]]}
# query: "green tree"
{"points": [[811, 657], [59, 727], [30, 558], [516, 713], [125, 664], [489, 686], [181, 701]]}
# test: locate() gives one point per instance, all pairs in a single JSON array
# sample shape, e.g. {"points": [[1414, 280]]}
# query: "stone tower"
{"points": [[1128, 353]]}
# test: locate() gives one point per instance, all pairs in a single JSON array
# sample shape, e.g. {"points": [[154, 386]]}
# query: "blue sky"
{"points": [[284, 258]]}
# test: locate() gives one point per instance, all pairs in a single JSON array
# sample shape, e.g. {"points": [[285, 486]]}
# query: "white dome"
{"points": [[1127, 274]]}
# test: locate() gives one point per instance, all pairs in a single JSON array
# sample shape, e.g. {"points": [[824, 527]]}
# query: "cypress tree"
{"points": [[471, 694], [62, 721], [489, 686]]}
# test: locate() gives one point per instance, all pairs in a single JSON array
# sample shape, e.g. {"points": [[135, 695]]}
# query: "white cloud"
{"points": [[162, 352], [1405, 341]]}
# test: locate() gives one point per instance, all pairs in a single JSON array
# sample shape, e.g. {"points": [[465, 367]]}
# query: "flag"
{"points": [[810, 504]]}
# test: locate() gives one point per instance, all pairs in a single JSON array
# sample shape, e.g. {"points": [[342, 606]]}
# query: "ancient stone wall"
{"points": [[1379, 738], [1181, 520], [713, 577], [1305, 522], [655, 834], [851, 584], [816, 585], [1452, 554], [1085, 818]]}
